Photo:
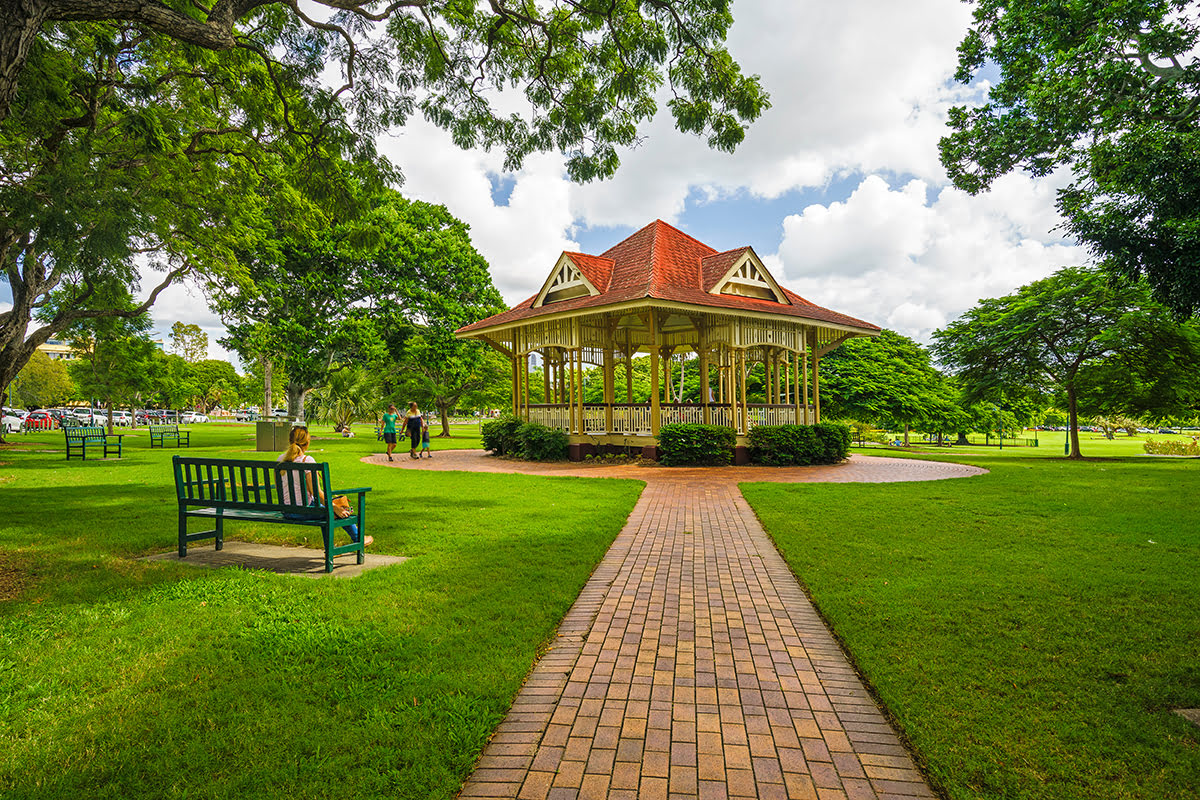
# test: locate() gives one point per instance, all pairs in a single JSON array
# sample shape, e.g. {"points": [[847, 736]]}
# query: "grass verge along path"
{"points": [[1031, 630], [126, 679]]}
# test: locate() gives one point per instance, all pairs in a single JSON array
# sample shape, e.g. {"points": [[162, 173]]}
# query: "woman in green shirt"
{"points": [[389, 429]]}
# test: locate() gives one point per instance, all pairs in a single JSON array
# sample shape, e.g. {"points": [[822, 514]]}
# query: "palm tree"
{"points": [[351, 393]]}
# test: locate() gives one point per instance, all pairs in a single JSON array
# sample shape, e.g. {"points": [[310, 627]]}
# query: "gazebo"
{"points": [[662, 294]]}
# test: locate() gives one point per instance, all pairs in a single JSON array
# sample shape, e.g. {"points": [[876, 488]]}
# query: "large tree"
{"points": [[1110, 90], [160, 126], [359, 290], [127, 155], [43, 382], [887, 380], [1061, 334], [189, 341]]}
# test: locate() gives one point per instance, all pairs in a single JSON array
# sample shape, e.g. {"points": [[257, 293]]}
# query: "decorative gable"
{"points": [[566, 281], [749, 278]]}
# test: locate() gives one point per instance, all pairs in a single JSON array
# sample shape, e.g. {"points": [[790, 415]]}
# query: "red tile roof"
{"points": [[663, 263]]}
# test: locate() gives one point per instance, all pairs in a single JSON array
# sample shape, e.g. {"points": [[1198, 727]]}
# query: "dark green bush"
{"points": [[540, 443], [799, 445], [685, 443], [500, 435]]}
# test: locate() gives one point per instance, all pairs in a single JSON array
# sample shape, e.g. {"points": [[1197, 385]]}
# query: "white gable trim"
{"points": [[749, 278], [566, 279]]}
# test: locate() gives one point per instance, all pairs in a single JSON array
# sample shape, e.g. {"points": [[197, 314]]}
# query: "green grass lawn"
{"points": [[1031, 629], [122, 678]]}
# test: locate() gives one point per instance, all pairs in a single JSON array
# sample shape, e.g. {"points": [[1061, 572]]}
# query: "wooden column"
{"points": [[775, 360], [804, 372], [525, 380], [514, 384], [655, 355], [579, 388], [744, 400], [702, 338], [610, 376], [546, 377], [816, 378], [796, 387]]}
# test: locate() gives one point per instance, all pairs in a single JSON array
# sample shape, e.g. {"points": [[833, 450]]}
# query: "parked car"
{"points": [[1165, 430], [246, 414], [40, 421], [10, 423], [191, 417], [122, 418], [279, 413]]}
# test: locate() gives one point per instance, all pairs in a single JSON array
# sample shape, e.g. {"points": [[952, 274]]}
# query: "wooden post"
{"points": [[744, 397], [525, 364], [655, 355], [816, 388], [804, 372], [514, 384], [610, 376], [704, 385], [796, 387], [776, 365], [546, 377]]}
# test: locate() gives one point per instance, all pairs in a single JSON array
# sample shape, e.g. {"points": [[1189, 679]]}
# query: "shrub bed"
{"points": [[509, 436], [799, 445], [1171, 447], [500, 435], [541, 443], [686, 443]]}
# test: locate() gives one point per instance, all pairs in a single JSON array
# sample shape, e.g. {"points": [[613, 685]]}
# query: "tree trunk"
{"points": [[1073, 422], [962, 439], [20, 23], [906, 434], [444, 415], [295, 401]]}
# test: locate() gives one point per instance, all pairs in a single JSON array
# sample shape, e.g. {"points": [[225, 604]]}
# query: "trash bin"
{"points": [[271, 436]]}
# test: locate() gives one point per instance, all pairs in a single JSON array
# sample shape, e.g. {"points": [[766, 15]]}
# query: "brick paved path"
{"points": [[692, 664]]}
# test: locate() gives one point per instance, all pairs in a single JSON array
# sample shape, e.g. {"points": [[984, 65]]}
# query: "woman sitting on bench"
{"points": [[298, 452]]}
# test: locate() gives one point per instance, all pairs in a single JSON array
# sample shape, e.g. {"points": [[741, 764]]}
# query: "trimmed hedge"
{"points": [[500, 435], [509, 436], [541, 443], [799, 445], [686, 443]]}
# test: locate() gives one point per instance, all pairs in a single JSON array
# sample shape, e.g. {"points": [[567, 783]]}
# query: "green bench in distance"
{"points": [[232, 489], [79, 437], [160, 434]]}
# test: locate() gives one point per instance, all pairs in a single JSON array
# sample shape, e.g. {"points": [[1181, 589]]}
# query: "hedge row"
{"points": [[686, 443], [509, 436], [799, 445]]}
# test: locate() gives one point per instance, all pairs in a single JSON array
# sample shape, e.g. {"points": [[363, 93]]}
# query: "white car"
{"points": [[190, 417], [122, 418], [11, 423]]}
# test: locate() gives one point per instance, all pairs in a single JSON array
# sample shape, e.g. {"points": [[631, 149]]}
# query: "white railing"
{"points": [[634, 419], [552, 416], [762, 414], [631, 419]]}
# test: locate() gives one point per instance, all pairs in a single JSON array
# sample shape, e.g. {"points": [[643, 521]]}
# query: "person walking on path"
{"points": [[297, 452], [412, 423], [425, 451], [389, 429]]}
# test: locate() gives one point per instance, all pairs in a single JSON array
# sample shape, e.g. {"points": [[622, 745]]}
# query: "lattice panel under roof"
{"points": [[748, 280]]}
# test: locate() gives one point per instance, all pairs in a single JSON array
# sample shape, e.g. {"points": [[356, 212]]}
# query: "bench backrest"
{"points": [[82, 433], [164, 428], [255, 485]]}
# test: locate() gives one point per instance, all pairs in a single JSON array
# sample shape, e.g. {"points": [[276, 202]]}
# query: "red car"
{"points": [[40, 421]]}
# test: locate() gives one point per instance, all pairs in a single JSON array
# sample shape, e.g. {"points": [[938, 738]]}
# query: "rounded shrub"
{"points": [[500, 435], [541, 443], [799, 445], [687, 443]]}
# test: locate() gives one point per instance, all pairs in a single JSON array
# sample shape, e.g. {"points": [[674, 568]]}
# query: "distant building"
{"points": [[59, 350]]}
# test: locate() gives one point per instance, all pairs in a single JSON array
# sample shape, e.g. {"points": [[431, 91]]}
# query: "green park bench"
{"points": [[233, 489], [160, 434], [79, 437]]}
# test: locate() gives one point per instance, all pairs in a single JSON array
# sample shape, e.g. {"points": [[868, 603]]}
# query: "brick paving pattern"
{"points": [[693, 665]]}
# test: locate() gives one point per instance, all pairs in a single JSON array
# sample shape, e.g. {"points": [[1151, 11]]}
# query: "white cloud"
{"points": [[890, 257]]}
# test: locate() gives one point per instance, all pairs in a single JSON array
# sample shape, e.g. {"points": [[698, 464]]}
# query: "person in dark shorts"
{"points": [[412, 423], [389, 429]]}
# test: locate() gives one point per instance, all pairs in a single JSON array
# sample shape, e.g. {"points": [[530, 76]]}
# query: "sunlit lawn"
{"points": [[122, 678], [1032, 629]]}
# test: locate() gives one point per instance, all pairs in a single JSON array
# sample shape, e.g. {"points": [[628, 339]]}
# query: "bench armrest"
{"points": [[359, 491]]}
